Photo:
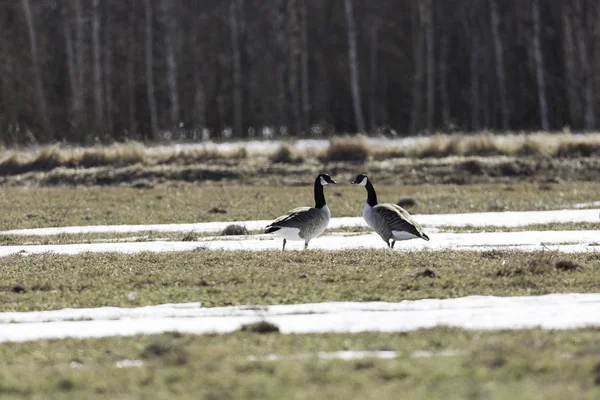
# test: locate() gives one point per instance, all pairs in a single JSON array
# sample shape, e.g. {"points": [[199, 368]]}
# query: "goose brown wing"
{"points": [[399, 219], [296, 217]]}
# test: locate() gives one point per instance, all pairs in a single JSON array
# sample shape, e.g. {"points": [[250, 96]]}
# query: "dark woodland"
{"points": [[86, 70]]}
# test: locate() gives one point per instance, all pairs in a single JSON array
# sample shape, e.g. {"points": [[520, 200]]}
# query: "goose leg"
{"points": [[284, 242], [305, 245], [393, 243]]}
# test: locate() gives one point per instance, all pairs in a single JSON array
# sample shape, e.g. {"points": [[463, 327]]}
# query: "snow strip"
{"points": [[350, 355], [554, 311], [501, 219], [564, 241], [587, 205]]}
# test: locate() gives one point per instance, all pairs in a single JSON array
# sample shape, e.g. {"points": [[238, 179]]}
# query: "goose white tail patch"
{"points": [[402, 235], [289, 233]]}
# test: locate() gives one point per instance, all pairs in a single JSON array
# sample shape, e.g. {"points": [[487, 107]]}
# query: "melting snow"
{"points": [[500, 219], [554, 311], [565, 241]]}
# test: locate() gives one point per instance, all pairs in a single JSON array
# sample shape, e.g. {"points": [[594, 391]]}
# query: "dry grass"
{"points": [[347, 148], [116, 155], [286, 154], [486, 144]]}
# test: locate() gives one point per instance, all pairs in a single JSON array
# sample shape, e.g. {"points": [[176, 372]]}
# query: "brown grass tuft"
{"points": [[285, 154], [347, 148]]}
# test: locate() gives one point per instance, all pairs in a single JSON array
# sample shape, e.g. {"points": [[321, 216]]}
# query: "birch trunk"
{"points": [[131, 78], [443, 71], [539, 64], [293, 61], [373, 33], [427, 11], [238, 123], [582, 47], [74, 107], [417, 88], [353, 61], [80, 67], [108, 80], [97, 70], [475, 121], [150, 72], [37, 73], [569, 58], [306, 105], [499, 52], [171, 45]]}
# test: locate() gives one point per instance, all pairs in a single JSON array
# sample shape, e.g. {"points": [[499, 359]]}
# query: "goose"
{"points": [[389, 221], [304, 223]]}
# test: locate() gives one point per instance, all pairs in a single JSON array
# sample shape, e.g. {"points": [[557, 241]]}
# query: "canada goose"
{"points": [[304, 223], [390, 221]]}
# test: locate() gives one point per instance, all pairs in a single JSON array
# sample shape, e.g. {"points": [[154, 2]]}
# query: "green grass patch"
{"points": [[221, 278], [188, 203], [520, 365]]}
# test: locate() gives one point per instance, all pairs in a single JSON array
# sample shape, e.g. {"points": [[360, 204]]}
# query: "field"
{"points": [[168, 254]]}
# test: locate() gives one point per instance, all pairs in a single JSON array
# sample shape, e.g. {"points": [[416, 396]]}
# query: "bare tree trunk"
{"points": [[419, 53], [234, 18], [499, 51], [293, 56], [569, 57], [427, 17], [108, 80], [373, 33], [539, 64], [74, 108], [80, 72], [306, 107], [131, 79], [97, 68], [475, 121], [587, 95], [279, 26], [37, 74], [353, 60], [150, 72], [443, 71], [171, 46]]}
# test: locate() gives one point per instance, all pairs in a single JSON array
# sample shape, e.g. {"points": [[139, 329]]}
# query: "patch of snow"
{"points": [[587, 205], [564, 241], [350, 355], [129, 363], [554, 311], [499, 219]]}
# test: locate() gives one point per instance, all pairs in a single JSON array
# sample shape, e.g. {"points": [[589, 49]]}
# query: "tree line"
{"points": [[82, 70]]}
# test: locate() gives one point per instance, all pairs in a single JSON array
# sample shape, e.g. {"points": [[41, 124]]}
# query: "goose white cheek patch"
{"points": [[363, 182], [323, 181]]}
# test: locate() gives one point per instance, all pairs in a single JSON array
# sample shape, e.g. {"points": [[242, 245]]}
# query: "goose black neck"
{"points": [[371, 195], [319, 195]]}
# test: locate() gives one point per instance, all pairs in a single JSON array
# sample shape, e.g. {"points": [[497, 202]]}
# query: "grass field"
{"points": [[433, 364], [215, 278], [133, 184], [187, 203]]}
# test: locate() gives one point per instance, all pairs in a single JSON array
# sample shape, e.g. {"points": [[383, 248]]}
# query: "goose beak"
{"points": [[334, 182]]}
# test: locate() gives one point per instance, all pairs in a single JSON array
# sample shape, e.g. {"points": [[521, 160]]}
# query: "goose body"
{"points": [[390, 221], [304, 223]]}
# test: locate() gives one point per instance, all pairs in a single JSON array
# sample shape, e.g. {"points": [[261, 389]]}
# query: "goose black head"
{"points": [[325, 179], [361, 179]]}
